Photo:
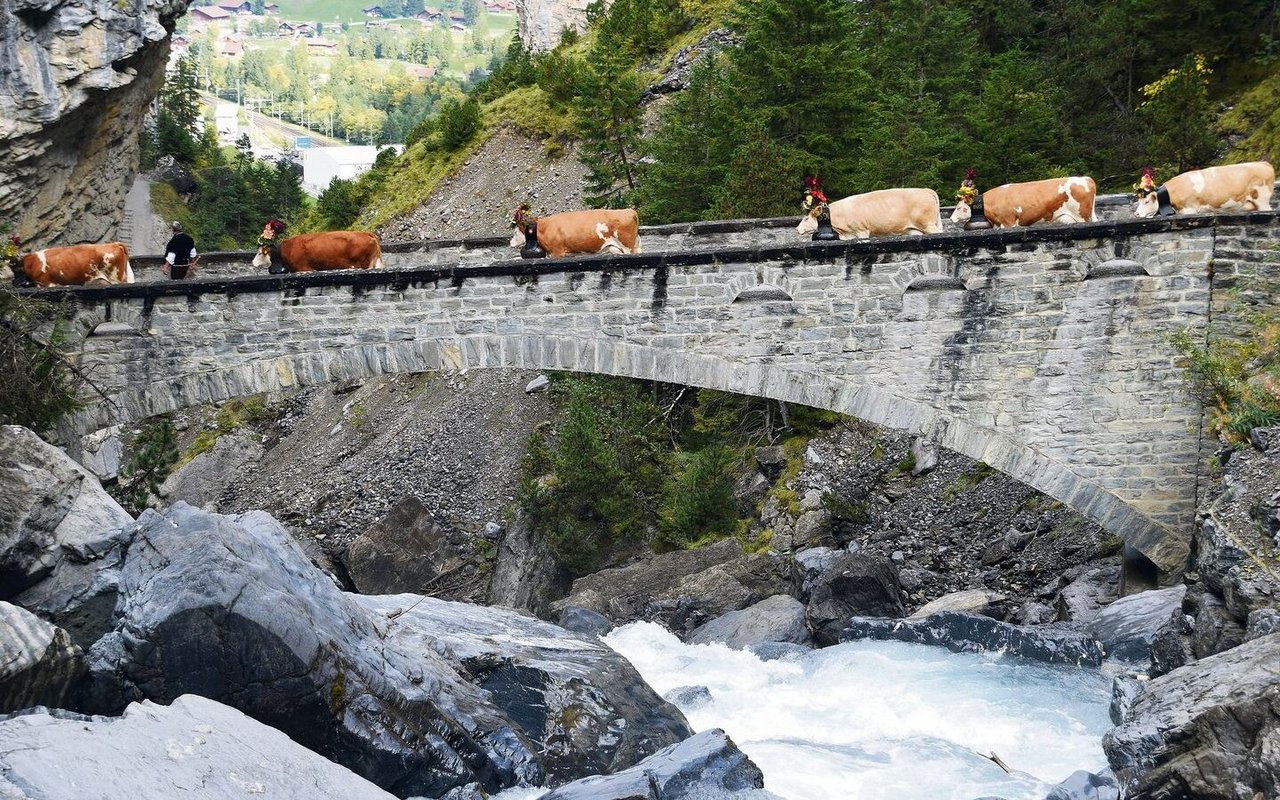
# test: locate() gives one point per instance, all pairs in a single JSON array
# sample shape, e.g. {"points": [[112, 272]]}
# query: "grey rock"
{"points": [[1125, 690], [53, 510], [707, 766], [1262, 622], [266, 633], [1086, 596], [809, 565], [812, 528], [1081, 785], [772, 461], [585, 621], [100, 452], [855, 584], [525, 573], [585, 705], [1266, 439], [1215, 628], [408, 551], [780, 618], [39, 664], [539, 384], [196, 747], [688, 697], [199, 482], [1208, 729], [973, 601], [777, 651], [1035, 613], [1126, 628], [971, 633], [925, 453]]}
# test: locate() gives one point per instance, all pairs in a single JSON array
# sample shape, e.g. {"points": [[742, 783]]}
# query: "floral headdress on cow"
{"points": [[813, 194], [1147, 184], [270, 231], [9, 252], [968, 190], [523, 214]]}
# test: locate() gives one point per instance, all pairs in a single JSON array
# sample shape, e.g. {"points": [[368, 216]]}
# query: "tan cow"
{"points": [[599, 230], [309, 252], [885, 212], [1234, 187], [1050, 200], [79, 264]]}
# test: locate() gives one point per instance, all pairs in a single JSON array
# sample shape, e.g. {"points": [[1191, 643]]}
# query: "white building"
{"points": [[320, 165]]}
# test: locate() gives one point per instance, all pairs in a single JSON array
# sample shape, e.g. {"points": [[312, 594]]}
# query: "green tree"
{"points": [[610, 124], [458, 122], [180, 98], [338, 205], [1179, 118], [41, 385], [155, 453], [699, 502]]}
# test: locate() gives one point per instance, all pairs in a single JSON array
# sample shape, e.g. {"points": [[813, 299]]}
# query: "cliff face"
{"points": [[76, 78], [542, 21]]}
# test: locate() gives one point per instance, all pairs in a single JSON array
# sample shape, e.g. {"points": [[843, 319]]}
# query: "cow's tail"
{"points": [[937, 213], [377, 255]]}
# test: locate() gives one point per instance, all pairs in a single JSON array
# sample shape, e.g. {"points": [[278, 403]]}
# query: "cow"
{"points": [[592, 231], [1050, 200], [310, 252], [884, 212], [1234, 187], [79, 264]]}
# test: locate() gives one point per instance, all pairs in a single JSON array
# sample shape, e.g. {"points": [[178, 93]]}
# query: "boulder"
{"points": [[229, 608], [924, 454], [525, 573], [809, 565], [1081, 785], [1234, 533], [971, 633], [408, 551], [53, 509], [1082, 599], [201, 480], [855, 584], [194, 747], [972, 601], [585, 706], [585, 621], [1207, 730], [1127, 627], [688, 697], [39, 664], [775, 619], [707, 766], [772, 461]]}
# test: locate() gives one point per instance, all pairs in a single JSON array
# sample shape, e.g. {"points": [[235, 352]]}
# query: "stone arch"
{"points": [[785, 382]]}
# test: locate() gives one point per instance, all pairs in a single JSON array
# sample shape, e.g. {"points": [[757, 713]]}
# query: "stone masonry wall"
{"points": [[1041, 351]]}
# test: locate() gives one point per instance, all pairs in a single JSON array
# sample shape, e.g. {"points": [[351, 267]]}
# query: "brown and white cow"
{"points": [[79, 264], [1050, 200], [884, 212], [310, 252], [1233, 187], [599, 230]]}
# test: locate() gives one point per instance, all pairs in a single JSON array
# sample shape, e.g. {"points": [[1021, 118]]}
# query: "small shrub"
{"points": [[698, 504], [155, 454], [40, 385]]}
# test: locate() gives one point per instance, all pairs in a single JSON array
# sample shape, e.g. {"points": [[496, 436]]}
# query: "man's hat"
{"points": [[177, 226]]}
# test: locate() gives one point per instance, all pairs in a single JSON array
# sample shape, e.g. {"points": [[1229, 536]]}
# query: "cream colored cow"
{"points": [[1234, 187], [885, 212]]}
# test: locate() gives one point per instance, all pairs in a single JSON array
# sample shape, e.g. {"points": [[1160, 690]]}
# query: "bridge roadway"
{"points": [[1041, 351]]}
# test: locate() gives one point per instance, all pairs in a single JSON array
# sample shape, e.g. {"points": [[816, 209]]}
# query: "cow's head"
{"points": [[521, 219], [1147, 193], [965, 195], [813, 204], [809, 222], [262, 258]]}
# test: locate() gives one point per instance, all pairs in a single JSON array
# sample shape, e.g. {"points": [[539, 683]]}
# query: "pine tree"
{"points": [[609, 124]]}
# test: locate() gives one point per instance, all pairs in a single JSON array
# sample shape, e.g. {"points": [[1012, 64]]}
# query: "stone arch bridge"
{"points": [[1041, 351]]}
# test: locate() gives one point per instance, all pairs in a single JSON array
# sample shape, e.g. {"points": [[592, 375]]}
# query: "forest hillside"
{"points": [[865, 95]]}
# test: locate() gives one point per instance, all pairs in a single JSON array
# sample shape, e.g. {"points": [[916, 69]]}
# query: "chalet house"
{"points": [[232, 7], [204, 16], [429, 14], [420, 72], [322, 47], [271, 8], [458, 27], [374, 12], [231, 48]]}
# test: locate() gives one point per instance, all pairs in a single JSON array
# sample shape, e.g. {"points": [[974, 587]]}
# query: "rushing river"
{"points": [[872, 720]]}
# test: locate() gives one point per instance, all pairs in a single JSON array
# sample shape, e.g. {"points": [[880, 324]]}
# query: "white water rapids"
{"points": [[872, 720]]}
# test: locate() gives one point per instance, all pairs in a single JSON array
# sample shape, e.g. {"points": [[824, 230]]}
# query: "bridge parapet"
{"points": [[1042, 351]]}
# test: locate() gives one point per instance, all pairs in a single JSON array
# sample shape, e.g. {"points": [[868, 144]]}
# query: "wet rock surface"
{"points": [[973, 633]]}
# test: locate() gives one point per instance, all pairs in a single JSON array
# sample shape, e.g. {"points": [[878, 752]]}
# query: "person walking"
{"points": [[180, 254]]}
